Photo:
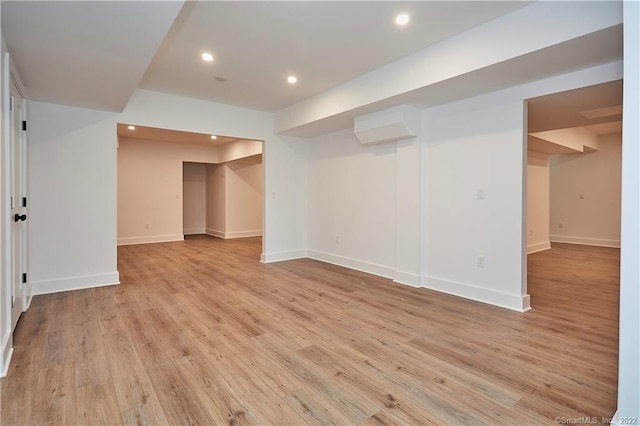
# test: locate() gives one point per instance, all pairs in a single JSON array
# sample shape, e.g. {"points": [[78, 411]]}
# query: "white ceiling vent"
{"points": [[391, 124], [602, 112]]}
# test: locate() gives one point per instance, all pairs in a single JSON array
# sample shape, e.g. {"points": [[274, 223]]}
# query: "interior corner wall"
{"points": [[537, 202], [585, 195], [72, 207], [216, 218], [194, 198], [352, 203], [150, 199], [243, 201]]}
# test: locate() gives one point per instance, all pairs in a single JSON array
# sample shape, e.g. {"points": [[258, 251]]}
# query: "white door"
{"points": [[18, 214]]}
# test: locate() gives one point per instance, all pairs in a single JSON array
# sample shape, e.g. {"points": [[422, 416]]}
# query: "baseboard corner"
{"points": [[478, 294], [406, 278], [7, 354], [538, 247], [282, 256]]}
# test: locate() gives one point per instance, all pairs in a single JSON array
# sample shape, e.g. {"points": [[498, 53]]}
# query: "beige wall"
{"points": [[244, 188], [537, 202], [234, 198], [595, 218], [216, 199], [156, 203], [150, 188], [194, 193]]}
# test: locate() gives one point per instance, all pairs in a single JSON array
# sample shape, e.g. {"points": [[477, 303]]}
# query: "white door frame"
{"points": [[18, 231], [9, 77]]}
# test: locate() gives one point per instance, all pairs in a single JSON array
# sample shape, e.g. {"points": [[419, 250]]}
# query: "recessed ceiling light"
{"points": [[207, 57], [402, 19], [131, 127], [292, 79], [214, 137]]}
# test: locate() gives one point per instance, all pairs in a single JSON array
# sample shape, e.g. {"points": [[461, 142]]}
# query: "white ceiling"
{"points": [[95, 53], [258, 44], [167, 135], [90, 54]]}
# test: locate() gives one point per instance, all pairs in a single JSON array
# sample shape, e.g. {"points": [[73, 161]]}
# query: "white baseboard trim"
{"points": [[347, 262], [585, 241], [467, 291], [7, 353], [282, 256], [492, 297], [407, 278], [126, 241], [75, 283], [243, 234], [236, 234], [214, 233], [535, 248], [194, 231]]}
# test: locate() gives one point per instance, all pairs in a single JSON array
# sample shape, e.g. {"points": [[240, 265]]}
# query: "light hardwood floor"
{"points": [[199, 332]]}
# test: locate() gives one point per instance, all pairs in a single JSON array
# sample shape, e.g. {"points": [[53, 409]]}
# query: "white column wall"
{"points": [[72, 211], [629, 358], [474, 198]]}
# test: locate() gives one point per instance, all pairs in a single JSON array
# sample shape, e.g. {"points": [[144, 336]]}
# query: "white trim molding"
{"points": [[358, 265], [194, 231], [243, 234], [75, 283], [235, 234], [126, 241], [282, 256], [585, 241], [407, 278], [537, 247], [214, 233], [7, 353], [479, 294]]}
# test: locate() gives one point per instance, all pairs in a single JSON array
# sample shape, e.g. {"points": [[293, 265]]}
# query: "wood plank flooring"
{"points": [[200, 332]]}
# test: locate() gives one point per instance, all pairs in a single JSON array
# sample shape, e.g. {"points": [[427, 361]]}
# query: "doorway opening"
{"points": [[574, 157], [573, 190], [223, 200], [173, 184]]}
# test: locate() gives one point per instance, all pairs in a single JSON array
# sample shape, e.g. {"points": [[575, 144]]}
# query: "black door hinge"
{"points": [[24, 201], [24, 278], [24, 125]]}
